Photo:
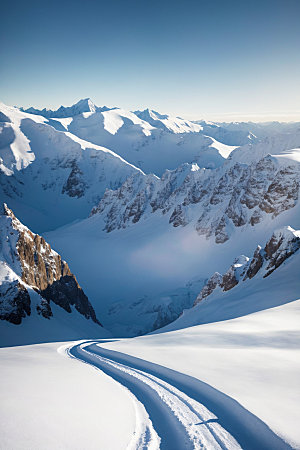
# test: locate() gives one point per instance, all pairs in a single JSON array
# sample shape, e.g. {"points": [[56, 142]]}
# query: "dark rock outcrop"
{"points": [[282, 244], [14, 302], [40, 268], [255, 264], [233, 196], [75, 185]]}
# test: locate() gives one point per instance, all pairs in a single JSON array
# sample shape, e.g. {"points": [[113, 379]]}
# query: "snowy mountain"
{"points": [[242, 133], [36, 287], [267, 279], [166, 122], [149, 140], [155, 142], [162, 238], [246, 274], [50, 177], [146, 238], [283, 244], [235, 195], [83, 106], [223, 133]]}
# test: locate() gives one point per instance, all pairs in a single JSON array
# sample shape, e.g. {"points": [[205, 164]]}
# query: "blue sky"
{"points": [[217, 60]]}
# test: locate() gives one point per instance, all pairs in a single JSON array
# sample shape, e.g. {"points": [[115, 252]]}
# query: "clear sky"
{"points": [[219, 60]]}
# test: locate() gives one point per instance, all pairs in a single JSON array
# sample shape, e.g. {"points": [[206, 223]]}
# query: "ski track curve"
{"points": [[175, 411]]}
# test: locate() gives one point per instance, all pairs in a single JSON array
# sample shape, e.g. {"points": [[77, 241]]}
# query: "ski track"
{"points": [[168, 417]]}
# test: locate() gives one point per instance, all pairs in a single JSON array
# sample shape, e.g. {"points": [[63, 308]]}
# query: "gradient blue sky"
{"points": [[219, 60]]}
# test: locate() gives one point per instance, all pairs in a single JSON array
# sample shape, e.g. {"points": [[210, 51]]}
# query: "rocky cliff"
{"points": [[282, 244], [27, 264], [215, 201]]}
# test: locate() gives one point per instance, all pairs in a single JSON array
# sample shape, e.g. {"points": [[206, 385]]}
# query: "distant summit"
{"points": [[174, 124], [83, 106]]}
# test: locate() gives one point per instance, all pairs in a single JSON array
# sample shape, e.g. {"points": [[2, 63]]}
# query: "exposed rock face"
{"points": [[255, 264], [235, 195], [210, 286], [38, 267], [283, 244], [75, 185], [66, 292], [231, 277], [14, 302], [178, 217]]}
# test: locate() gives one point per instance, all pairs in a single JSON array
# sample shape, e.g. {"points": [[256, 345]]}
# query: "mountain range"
{"points": [[144, 206]]}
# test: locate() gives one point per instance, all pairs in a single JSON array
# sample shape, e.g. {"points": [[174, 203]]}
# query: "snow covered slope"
{"points": [[153, 149], [253, 359], [37, 290], [83, 106], [154, 242], [51, 177], [237, 195], [242, 133], [165, 122], [269, 278], [51, 401], [147, 139]]}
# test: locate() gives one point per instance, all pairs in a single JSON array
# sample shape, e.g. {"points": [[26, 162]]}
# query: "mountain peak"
{"points": [[148, 113], [85, 105]]}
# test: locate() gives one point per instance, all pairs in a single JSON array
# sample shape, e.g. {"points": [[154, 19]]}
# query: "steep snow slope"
{"points": [[51, 177], [224, 134], [38, 291], [151, 312], [165, 122], [149, 140], [253, 359], [153, 149], [268, 278]]}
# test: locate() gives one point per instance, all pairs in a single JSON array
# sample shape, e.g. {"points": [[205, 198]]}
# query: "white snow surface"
{"points": [[51, 401], [151, 141], [52, 177], [254, 359]]}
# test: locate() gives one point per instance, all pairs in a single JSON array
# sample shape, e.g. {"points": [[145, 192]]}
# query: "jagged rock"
{"points": [[281, 246], [283, 192], [66, 292], [44, 309], [75, 185], [220, 232], [30, 258], [209, 287], [15, 302], [232, 277], [255, 264], [178, 217], [234, 195], [255, 218]]}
